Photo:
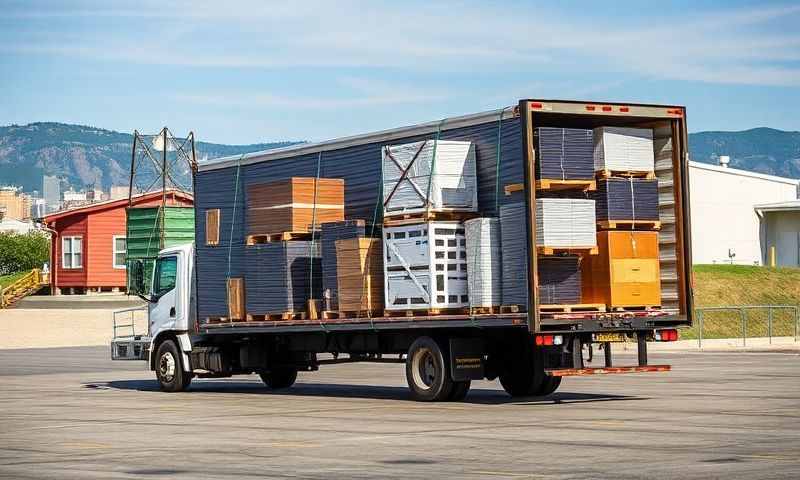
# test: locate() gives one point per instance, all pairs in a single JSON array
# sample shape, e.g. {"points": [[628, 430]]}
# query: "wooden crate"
{"points": [[289, 205], [625, 272], [359, 273]]}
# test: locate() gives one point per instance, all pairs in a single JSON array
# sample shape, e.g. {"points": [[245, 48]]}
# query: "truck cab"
{"points": [[169, 312]]}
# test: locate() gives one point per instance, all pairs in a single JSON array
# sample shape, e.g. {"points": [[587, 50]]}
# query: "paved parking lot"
{"points": [[72, 413]]}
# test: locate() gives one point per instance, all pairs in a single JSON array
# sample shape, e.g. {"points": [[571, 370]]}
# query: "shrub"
{"points": [[20, 252]]}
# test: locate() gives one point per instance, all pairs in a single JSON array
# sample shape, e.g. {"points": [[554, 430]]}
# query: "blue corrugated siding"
{"points": [[360, 167]]}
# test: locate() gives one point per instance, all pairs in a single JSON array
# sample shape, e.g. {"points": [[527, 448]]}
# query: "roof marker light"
{"points": [[606, 108], [591, 108], [536, 105], [624, 109]]}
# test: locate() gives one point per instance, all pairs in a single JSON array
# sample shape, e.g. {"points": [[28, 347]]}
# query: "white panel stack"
{"points": [[409, 168], [565, 222], [425, 266], [483, 262], [619, 149]]}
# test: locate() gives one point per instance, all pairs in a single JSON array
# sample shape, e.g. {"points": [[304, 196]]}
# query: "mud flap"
{"points": [[466, 359]]}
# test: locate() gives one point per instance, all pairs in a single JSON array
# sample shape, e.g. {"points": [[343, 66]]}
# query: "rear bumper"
{"points": [[130, 348]]}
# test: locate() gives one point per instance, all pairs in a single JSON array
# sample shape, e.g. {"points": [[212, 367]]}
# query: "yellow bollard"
{"points": [[772, 256]]}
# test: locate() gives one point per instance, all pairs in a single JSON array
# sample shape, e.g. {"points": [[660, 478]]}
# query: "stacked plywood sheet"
{"points": [[293, 204], [564, 153], [632, 199], [559, 280], [282, 276], [626, 271], [360, 275], [435, 176], [425, 266], [330, 234], [483, 262], [514, 248], [619, 149], [565, 222]]}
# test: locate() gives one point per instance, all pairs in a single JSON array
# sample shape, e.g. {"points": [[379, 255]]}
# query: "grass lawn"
{"points": [[6, 280], [724, 285]]}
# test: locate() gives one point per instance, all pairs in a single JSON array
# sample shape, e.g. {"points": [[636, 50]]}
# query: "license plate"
{"points": [[609, 337]]}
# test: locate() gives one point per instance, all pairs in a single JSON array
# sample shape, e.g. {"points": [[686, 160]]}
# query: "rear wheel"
{"points": [[279, 378], [549, 385], [169, 371], [427, 371], [523, 372], [460, 390]]}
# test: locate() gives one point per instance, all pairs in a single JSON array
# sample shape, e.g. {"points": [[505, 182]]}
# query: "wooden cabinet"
{"points": [[625, 273]]}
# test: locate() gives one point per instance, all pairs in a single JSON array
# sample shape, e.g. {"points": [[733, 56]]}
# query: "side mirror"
{"points": [[137, 276]]}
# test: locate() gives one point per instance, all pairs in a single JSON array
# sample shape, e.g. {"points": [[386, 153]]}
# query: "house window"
{"points": [[120, 251], [72, 252]]}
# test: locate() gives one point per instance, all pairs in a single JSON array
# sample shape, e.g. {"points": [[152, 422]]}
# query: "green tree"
{"points": [[19, 252]]}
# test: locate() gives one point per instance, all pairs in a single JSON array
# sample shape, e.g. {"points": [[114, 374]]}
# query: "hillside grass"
{"points": [[6, 280], [730, 285]]}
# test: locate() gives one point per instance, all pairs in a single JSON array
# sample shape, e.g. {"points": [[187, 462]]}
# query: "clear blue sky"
{"points": [[246, 72]]}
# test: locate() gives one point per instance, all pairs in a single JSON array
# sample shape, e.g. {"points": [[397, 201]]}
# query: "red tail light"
{"points": [[669, 335], [549, 340]]}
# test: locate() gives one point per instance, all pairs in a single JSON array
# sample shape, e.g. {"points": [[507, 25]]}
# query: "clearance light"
{"points": [[536, 105], [669, 335], [624, 109], [591, 108], [606, 108]]}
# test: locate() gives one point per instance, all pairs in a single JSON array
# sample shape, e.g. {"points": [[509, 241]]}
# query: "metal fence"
{"points": [[747, 321]]}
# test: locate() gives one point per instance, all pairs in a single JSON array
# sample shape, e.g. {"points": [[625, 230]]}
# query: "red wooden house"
{"points": [[88, 246]]}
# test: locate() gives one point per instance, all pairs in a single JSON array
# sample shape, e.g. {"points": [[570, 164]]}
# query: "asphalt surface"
{"points": [[72, 413]]}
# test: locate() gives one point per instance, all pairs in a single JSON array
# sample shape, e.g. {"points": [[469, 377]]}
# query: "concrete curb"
{"points": [[758, 344]]}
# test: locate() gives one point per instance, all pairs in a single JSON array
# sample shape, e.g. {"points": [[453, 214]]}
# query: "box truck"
{"points": [[240, 300]]}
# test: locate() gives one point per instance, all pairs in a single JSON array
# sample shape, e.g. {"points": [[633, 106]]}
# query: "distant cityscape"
{"points": [[19, 210]]}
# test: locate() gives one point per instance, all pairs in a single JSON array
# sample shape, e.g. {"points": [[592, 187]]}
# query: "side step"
{"points": [[574, 372]]}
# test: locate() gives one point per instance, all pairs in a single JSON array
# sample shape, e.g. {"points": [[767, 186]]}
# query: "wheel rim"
{"points": [[423, 369], [166, 366]]}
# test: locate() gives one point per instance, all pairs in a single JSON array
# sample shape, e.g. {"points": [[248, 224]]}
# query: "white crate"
{"points": [[623, 149], [425, 266], [409, 168]]}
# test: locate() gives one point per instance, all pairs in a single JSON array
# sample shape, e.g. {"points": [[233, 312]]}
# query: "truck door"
{"points": [[164, 309]]}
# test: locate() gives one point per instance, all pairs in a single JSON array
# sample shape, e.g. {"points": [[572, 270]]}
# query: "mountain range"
{"points": [[84, 156]]}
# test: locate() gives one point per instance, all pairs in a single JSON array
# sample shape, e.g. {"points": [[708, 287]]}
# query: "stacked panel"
{"points": [[564, 153], [483, 262], [559, 280], [330, 234], [293, 204], [627, 199], [360, 274], [514, 252], [565, 222], [619, 149], [282, 276]]}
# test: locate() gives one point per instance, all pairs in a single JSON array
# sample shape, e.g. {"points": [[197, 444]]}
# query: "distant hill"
{"points": [[82, 155], [763, 150], [86, 156]]}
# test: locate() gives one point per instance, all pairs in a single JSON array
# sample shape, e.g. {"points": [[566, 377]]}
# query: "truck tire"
{"points": [[460, 390], [169, 371], [549, 385], [279, 378], [524, 373], [428, 371]]}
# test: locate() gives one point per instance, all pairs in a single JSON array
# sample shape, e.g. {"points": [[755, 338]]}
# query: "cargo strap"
{"points": [[233, 217]]}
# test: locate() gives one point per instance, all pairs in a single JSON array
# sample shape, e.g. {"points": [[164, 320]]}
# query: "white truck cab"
{"points": [[170, 312]]}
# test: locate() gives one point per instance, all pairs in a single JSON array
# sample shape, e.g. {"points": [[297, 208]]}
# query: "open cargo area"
{"points": [[579, 213]]}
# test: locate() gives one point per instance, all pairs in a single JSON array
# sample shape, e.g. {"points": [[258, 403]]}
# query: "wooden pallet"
{"points": [[420, 217], [573, 250], [629, 224], [217, 319], [426, 312], [578, 307], [276, 316], [277, 237], [620, 173], [510, 308], [637, 308], [556, 184], [337, 314]]}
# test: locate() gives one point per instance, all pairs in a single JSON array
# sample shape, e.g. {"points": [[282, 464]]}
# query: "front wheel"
{"points": [[169, 372], [428, 372], [549, 385]]}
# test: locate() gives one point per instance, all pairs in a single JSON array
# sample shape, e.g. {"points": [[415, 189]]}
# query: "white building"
{"points": [[726, 226]]}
